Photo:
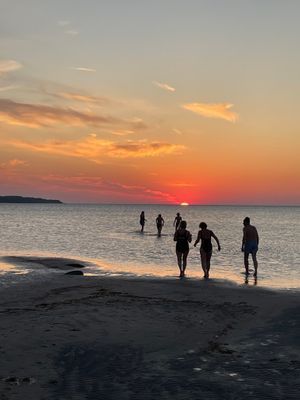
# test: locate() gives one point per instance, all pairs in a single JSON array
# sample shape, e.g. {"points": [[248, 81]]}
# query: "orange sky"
{"points": [[103, 106]]}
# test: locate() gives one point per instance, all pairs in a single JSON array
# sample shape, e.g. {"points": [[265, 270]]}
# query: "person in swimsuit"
{"points": [[142, 220], [182, 237], [177, 221], [205, 236], [250, 245], [159, 224]]}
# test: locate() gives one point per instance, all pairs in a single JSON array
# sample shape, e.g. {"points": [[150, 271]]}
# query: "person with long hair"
{"points": [[205, 236], [182, 237]]}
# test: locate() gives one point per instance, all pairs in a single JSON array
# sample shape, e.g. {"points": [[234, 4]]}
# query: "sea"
{"points": [[108, 239]]}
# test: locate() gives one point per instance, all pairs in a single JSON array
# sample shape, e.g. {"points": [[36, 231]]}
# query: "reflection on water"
{"points": [[109, 237]]}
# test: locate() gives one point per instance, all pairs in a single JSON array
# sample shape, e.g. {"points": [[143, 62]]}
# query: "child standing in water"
{"points": [[205, 236]]}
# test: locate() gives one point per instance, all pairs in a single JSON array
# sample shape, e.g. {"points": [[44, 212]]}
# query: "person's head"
{"points": [[202, 225], [246, 221], [143, 212], [159, 215], [182, 225], [178, 214]]}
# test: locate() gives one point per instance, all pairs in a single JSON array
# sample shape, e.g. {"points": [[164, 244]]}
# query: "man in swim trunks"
{"points": [[250, 245]]}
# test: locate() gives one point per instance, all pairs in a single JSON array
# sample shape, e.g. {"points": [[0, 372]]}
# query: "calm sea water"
{"points": [[109, 237]]}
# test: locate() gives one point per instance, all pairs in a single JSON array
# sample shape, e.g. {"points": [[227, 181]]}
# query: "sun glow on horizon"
{"points": [[184, 204]]}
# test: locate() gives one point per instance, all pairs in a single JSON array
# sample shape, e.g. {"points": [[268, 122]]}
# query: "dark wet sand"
{"points": [[75, 337]]}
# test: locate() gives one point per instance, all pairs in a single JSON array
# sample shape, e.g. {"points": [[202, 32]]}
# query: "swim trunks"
{"points": [[251, 247]]}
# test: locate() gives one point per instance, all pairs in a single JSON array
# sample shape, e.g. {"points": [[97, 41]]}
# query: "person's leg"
{"points": [[254, 263], [184, 261], [246, 262], [203, 261], [179, 262], [208, 257]]}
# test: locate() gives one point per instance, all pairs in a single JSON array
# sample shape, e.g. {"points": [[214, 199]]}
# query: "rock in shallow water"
{"points": [[74, 273]]}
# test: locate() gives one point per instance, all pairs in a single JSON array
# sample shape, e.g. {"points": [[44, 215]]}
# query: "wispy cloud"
{"points": [[164, 86], [177, 131], [7, 66], [213, 110], [37, 115], [105, 187], [13, 163], [72, 32], [64, 23], [82, 97], [94, 149], [6, 88], [84, 69]]}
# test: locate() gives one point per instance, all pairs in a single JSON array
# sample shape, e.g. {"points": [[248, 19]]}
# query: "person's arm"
{"points": [[198, 239], [257, 237], [162, 222], [216, 239], [189, 236], [175, 236], [243, 240], [174, 223]]}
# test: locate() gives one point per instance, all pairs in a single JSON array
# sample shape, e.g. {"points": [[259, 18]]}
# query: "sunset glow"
{"points": [[123, 102]]}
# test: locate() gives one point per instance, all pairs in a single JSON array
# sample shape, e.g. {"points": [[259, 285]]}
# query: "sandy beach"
{"points": [[83, 337]]}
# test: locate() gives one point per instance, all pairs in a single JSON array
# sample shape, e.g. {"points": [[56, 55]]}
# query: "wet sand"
{"points": [[81, 337]]}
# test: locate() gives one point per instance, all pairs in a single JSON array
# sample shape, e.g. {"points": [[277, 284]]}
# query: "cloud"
{"points": [[9, 87], [177, 131], [9, 66], [13, 163], [94, 149], [82, 97], [213, 110], [37, 115], [84, 69], [164, 86], [72, 32], [104, 187], [64, 23]]}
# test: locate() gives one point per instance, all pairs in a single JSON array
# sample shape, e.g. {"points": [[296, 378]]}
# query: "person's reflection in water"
{"points": [[247, 280]]}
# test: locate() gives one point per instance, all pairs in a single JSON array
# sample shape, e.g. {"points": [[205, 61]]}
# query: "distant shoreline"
{"points": [[22, 200]]}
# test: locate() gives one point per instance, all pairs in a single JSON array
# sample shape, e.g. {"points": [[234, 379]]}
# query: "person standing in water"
{"points": [[159, 224], [205, 236], [182, 237], [142, 220], [177, 221], [250, 245]]}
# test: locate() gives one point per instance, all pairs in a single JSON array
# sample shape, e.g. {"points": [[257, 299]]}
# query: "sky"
{"points": [[137, 101]]}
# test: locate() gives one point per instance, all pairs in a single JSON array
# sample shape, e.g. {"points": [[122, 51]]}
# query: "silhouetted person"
{"points": [[159, 224], [142, 220], [205, 236], [183, 237], [177, 221], [250, 245]]}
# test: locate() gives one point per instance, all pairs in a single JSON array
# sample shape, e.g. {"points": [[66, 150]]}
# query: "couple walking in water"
{"points": [[183, 237]]}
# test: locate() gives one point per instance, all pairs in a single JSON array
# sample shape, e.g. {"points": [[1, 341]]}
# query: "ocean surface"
{"points": [[108, 237]]}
